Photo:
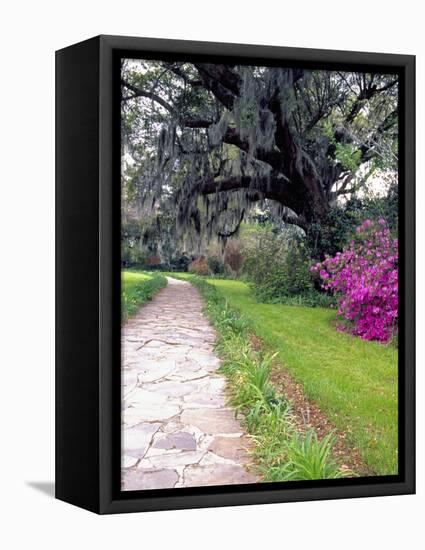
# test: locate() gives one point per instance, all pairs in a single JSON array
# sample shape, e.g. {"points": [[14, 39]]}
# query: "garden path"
{"points": [[176, 428]]}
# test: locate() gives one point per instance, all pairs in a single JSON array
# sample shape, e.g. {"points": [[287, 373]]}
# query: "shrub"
{"points": [[233, 255], [338, 226], [198, 266], [216, 266], [364, 278], [179, 263], [278, 268], [132, 256], [307, 458]]}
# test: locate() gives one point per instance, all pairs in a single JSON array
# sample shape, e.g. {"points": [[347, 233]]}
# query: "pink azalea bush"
{"points": [[364, 277]]}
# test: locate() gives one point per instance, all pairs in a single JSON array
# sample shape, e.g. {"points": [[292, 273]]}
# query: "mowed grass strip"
{"points": [[353, 381], [137, 287]]}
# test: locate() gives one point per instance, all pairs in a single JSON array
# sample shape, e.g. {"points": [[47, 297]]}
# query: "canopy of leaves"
{"points": [[204, 143]]}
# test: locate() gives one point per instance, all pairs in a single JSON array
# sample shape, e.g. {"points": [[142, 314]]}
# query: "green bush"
{"points": [[216, 266], [338, 226], [132, 256], [278, 268], [179, 263]]}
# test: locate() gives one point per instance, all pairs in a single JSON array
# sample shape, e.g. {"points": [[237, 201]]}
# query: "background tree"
{"points": [[209, 141]]}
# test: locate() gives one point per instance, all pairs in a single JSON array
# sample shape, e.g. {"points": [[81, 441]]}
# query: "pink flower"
{"points": [[364, 277]]}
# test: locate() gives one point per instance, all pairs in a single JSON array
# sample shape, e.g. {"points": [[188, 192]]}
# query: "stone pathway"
{"points": [[176, 428]]}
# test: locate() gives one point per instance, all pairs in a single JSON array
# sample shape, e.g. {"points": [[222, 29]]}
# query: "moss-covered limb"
{"points": [[282, 452], [137, 287]]}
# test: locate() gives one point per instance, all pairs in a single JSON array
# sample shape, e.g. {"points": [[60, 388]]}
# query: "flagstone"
{"points": [[178, 440], [128, 461], [217, 474], [171, 460], [134, 479], [212, 421], [229, 447], [154, 412], [194, 401], [136, 440], [152, 370], [170, 388]]}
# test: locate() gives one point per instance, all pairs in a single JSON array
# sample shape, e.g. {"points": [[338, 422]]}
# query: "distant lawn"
{"points": [[136, 288], [354, 382]]}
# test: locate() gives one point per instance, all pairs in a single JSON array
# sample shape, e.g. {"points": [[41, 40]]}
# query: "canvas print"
{"points": [[259, 289]]}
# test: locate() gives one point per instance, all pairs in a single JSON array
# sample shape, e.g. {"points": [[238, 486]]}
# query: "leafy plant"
{"points": [[337, 227], [216, 266], [277, 267], [307, 458]]}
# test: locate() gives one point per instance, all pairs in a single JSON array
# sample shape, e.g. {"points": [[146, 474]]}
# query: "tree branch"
{"points": [[273, 158], [259, 188], [217, 79], [196, 122], [224, 75], [233, 231], [138, 92], [187, 122], [178, 72], [368, 149], [366, 94]]}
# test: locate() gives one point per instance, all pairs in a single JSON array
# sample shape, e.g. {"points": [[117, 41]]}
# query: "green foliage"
{"points": [[136, 289], [307, 458], [179, 263], [281, 452], [152, 238], [348, 155], [386, 206], [277, 268], [216, 266], [132, 256], [311, 298], [338, 226], [255, 391]]}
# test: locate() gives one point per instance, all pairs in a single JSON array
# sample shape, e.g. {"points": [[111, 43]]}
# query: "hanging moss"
{"points": [[235, 136]]}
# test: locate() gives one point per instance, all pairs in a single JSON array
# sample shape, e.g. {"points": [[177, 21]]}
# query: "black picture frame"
{"points": [[88, 280]]}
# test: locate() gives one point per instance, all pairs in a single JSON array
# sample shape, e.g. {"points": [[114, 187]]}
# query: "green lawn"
{"points": [[354, 382], [136, 288]]}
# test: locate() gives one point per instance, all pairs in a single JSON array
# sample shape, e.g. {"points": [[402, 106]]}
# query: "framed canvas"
{"points": [[235, 274]]}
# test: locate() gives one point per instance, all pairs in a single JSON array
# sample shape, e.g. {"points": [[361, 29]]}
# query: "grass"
{"points": [[354, 382], [137, 287], [281, 453]]}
